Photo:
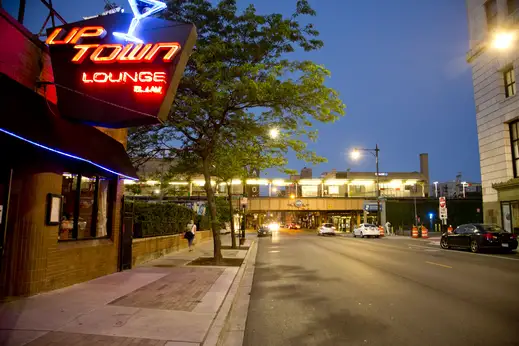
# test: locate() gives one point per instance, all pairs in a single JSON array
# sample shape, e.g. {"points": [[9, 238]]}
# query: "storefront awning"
{"points": [[28, 120]]}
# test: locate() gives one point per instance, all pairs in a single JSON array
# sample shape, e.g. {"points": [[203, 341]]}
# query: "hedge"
{"points": [[155, 218]]}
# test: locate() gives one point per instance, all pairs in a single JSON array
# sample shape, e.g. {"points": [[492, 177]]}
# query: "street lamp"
{"points": [[355, 154], [274, 133], [503, 40], [436, 189]]}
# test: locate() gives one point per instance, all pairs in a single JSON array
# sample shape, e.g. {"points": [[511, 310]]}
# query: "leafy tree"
{"points": [[240, 82]]}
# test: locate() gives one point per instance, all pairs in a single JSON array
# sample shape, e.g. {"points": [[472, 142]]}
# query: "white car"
{"points": [[326, 229], [366, 230]]}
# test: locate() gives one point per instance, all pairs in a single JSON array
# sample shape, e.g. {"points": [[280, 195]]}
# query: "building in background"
{"points": [[493, 56], [455, 189]]}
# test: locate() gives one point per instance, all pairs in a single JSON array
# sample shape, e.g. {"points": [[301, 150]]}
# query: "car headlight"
{"points": [[274, 226]]}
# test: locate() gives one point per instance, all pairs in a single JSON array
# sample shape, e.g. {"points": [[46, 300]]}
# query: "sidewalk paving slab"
{"points": [[161, 302]]}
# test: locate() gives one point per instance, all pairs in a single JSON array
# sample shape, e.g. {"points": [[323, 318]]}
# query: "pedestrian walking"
{"points": [[388, 228], [190, 234]]}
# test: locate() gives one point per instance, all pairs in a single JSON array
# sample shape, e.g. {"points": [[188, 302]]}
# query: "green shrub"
{"points": [[156, 219]]}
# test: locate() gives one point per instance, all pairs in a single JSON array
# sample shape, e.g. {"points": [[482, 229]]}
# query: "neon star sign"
{"points": [[156, 6]]}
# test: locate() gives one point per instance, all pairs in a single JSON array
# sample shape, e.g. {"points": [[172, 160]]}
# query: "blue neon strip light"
{"points": [[156, 6], [65, 154]]}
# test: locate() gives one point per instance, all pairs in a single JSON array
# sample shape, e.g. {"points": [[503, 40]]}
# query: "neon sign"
{"points": [[114, 52], [156, 6], [109, 53], [105, 80], [125, 77]]}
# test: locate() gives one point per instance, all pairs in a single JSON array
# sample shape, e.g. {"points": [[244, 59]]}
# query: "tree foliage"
{"points": [[239, 83]]}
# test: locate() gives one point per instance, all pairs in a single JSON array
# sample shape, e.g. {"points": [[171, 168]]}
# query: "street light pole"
{"points": [[355, 155], [378, 183]]}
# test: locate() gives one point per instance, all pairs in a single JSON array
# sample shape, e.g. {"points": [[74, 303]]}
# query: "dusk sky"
{"points": [[399, 66]]}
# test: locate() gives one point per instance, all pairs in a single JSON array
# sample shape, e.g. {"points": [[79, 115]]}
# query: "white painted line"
{"points": [[438, 264], [274, 251]]}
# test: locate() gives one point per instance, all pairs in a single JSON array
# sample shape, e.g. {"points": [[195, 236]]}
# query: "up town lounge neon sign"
{"points": [[117, 53]]}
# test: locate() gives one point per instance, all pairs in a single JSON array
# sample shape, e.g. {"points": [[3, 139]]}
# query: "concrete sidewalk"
{"points": [[162, 302]]}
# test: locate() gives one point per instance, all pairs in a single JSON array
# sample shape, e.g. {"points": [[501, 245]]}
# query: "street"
{"points": [[311, 290]]}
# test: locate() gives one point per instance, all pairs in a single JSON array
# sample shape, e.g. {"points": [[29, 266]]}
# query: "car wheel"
{"points": [[361, 235], [354, 235], [444, 244], [474, 247], [377, 236]]}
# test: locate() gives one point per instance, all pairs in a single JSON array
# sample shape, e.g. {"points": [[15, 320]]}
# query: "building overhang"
{"points": [[507, 185]]}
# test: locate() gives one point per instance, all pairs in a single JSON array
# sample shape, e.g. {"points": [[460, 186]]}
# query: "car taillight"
{"points": [[513, 236], [488, 236]]}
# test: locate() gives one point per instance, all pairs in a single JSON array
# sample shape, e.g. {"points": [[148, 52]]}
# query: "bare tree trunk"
{"points": [[233, 233], [217, 245]]}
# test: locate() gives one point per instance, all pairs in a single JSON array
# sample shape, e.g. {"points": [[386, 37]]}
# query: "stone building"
{"points": [[493, 56]]}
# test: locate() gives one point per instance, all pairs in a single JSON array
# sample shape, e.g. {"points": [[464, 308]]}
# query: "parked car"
{"points": [[476, 237], [326, 229], [366, 230], [264, 231]]}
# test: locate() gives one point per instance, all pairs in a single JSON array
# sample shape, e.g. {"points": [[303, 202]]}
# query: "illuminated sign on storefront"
{"points": [[144, 82], [110, 79]]}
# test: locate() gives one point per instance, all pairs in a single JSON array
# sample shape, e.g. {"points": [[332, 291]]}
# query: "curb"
{"points": [[220, 325]]}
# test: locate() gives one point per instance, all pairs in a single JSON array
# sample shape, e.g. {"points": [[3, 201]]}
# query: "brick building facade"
{"points": [[36, 254]]}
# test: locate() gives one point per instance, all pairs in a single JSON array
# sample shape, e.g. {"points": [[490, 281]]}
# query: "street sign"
{"points": [[443, 209]]}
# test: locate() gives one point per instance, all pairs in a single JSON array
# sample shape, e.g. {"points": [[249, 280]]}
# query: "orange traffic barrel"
{"points": [[425, 232], [415, 232], [449, 229], [381, 230]]}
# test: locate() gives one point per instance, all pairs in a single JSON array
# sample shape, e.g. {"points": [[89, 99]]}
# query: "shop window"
{"points": [[509, 77], [86, 206], [514, 139], [491, 14]]}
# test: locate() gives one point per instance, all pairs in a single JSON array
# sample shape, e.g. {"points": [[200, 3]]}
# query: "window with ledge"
{"points": [[509, 77], [491, 14], [512, 6], [514, 139], [86, 207]]}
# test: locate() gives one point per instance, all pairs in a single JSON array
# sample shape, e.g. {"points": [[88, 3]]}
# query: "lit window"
{"points": [[509, 77], [85, 207], [491, 13]]}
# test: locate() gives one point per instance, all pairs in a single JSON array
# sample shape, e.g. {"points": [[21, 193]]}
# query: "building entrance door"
{"points": [[507, 217], [125, 251]]}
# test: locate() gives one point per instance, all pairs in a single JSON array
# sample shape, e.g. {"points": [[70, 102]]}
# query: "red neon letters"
{"points": [[125, 77], [129, 77], [111, 53]]}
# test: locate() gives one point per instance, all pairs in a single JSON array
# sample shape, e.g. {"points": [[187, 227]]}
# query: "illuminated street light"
{"points": [[503, 40], [355, 154], [436, 189], [274, 133]]}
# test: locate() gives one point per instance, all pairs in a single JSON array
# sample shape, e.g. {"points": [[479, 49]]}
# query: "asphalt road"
{"points": [[311, 290]]}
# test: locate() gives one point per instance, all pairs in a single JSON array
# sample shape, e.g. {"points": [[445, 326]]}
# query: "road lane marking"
{"points": [[274, 251], [439, 264]]}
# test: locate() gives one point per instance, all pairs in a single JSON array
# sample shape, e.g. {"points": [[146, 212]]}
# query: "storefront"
{"points": [[508, 195], [63, 153]]}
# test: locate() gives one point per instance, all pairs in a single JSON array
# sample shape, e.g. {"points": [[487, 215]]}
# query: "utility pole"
{"points": [[378, 184]]}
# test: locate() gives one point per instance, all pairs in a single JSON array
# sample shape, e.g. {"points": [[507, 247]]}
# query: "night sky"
{"points": [[399, 67]]}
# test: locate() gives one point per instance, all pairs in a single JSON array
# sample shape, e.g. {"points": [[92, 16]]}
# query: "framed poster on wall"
{"points": [[54, 204]]}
